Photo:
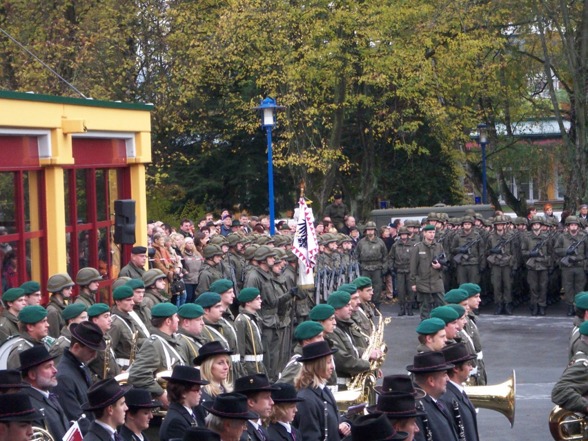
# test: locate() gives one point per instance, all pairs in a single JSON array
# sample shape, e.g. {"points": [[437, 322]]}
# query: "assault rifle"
{"points": [[571, 251], [464, 250], [499, 248], [441, 258], [535, 251]]}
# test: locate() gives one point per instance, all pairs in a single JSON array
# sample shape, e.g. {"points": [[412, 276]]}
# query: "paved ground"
{"points": [[535, 347]]}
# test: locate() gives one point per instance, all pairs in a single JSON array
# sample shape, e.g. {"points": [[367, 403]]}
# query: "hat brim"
{"points": [[200, 359], [463, 359], [317, 356], [186, 381], [96, 347], [417, 394], [425, 369], [233, 416], [287, 400], [396, 415], [37, 363], [32, 415], [123, 390], [396, 436], [153, 405]]}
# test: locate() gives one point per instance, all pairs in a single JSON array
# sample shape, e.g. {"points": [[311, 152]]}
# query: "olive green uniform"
{"points": [[372, 257], [225, 333], [250, 343], [501, 259], [470, 263], [208, 274], [428, 280], [573, 276], [55, 308], [537, 266], [189, 346], [348, 361], [153, 296], [96, 366], [122, 334], [8, 326], [399, 264], [86, 298], [570, 391], [25, 343]]}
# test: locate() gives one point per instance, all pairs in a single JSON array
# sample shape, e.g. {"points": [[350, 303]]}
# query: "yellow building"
{"points": [[63, 163]]}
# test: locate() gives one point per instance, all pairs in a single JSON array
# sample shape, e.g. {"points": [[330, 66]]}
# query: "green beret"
{"points": [[164, 310], [136, 284], [72, 311], [221, 285], [429, 228], [581, 300], [445, 313], [457, 308], [362, 282], [348, 287], [321, 312], [190, 311], [457, 295], [122, 292], [471, 288], [208, 299], [12, 294], [430, 326], [31, 287], [97, 309], [339, 299], [584, 328], [308, 329], [32, 314], [248, 295]]}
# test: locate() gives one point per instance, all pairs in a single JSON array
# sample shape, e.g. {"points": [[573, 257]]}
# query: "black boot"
{"points": [[571, 311], [409, 310], [508, 309], [498, 309], [541, 310], [402, 310], [533, 309]]}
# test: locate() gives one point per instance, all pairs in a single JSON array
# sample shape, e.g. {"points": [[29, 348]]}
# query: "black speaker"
{"points": [[124, 221]]}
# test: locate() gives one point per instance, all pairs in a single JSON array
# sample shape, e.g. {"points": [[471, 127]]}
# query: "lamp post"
{"points": [[268, 110], [483, 139]]}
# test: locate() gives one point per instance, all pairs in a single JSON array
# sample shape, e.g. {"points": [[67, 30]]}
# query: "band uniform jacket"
{"points": [[277, 432], [54, 419], [467, 411], [252, 434], [188, 345], [250, 343], [127, 435], [317, 413], [97, 433], [8, 325], [176, 422], [571, 389], [441, 422]]}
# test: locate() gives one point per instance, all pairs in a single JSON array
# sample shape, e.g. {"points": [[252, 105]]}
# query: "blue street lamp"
{"points": [[483, 139], [268, 110]]}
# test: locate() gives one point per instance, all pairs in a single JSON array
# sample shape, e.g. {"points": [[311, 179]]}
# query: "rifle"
{"points": [[567, 259], [539, 245], [441, 258], [499, 248], [461, 256]]}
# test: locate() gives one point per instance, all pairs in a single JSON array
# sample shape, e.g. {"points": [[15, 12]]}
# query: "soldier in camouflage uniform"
{"points": [[467, 250], [536, 252], [501, 259], [371, 254], [88, 279], [211, 269], [60, 286], [399, 263]]}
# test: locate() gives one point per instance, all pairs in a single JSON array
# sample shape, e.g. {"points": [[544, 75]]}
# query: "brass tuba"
{"points": [[566, 425], [499, 397], [41, 435]]}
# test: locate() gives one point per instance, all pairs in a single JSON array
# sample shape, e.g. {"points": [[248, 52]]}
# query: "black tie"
{"points": [[468, 402], [262, 436], [117, 437]]}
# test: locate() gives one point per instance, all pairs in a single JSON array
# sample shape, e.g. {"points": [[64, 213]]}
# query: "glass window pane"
{"points": [[101, 197], [7, 203], [81, 196], [67, 174], [9, 266]]}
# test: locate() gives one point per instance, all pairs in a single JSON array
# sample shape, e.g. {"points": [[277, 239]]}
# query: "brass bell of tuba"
{"points": [[499, 397], [41, 435], [566, 425]]}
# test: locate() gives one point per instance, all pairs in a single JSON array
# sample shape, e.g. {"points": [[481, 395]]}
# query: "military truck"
{"points": [[385, 216]]}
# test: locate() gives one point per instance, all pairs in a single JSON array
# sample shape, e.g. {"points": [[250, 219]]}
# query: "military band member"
{"points": [[60, 286], [14, 301], [450, 318], [136, 266], [258, 391], [88, 279], [38, 369], [228, 415], [581, 310], [249, 333], [190, 327], [400, 409], [211, 268], [280, 427], [106, 400], [33, 328], [304, 334], [141, 314], [372, 255], [455, 398], [99, 314], [16, 418], [431, 335], [74, 313], [366, 307], [124, 333], [11, 381], [160, 352], [536, 252], [155, 282], [360, 337], [139, 414], [472, 305], [429, 371], [32, 291]]}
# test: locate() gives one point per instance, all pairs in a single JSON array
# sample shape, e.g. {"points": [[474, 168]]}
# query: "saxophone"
{"points": [[106, 367]]}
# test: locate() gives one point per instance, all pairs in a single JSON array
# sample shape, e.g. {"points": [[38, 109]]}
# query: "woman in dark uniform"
{"points": [[283, 412]]}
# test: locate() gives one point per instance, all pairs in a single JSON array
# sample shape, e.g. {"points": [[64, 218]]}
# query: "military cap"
{"points": [[291, 257], [445, 313], [321, 312], [348, 287], [430, 326], [248, 294], [32, 314], [537, 220], [581, 300], [58, 282], [164, 310], [371, 225], [471, 288], [12, 294], [234, 239], [122, 281], [403, 230], [31, 287], [343, 238], [328, 238], [122, 292], [150, 277], [98, 309], [280, 254], [339, 299], [457, 308], [211, 250], [135, 284], [263, 252], [72, 311], [429, 228], [208, 299], [220, 286], [308, 329], [569, 220], [250, 251], [500, 220], [456, 295], [219, 240], [190, 311], [469, 219], [139, 250], [433, 216], [520, 221], [362, 282], [584, 328], [87, 275], [264, 239]]}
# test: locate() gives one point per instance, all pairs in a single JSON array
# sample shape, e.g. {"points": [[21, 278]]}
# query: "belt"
{"points": [[236, 358], [480, 355], [343, 380], [253, 357], [122, 361]]}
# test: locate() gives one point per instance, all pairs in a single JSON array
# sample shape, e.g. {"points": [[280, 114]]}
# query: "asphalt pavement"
{"points": [[534, 347]]}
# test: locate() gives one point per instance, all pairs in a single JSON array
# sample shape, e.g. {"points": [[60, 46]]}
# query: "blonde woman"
{"points": [[317, 417], [215, 367], [283, 412]]}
